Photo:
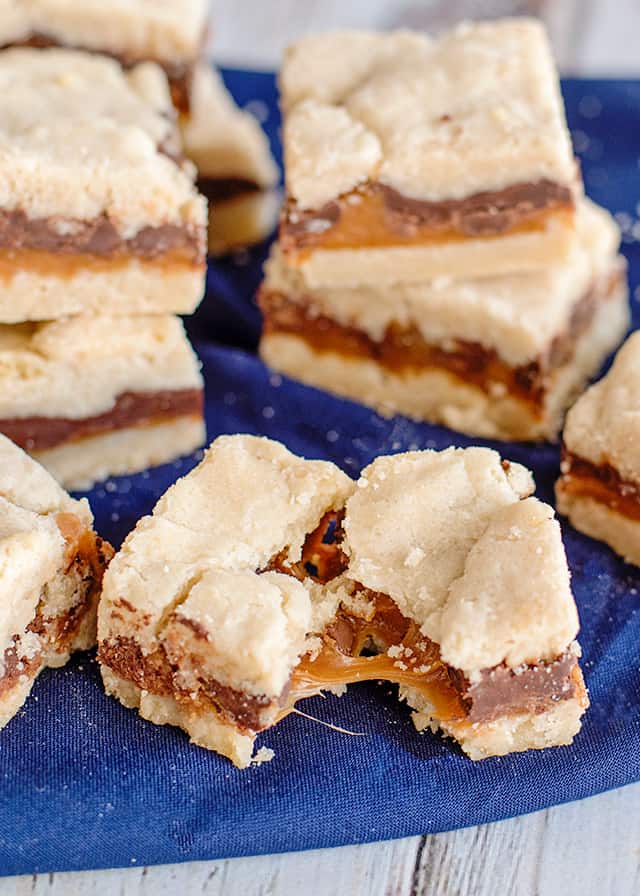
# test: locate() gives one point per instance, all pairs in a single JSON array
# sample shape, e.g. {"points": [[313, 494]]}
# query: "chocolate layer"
{"points": [[483, 214], [503, 691], [154, 672], [98, 237], [404, 349], [222, 189], [489, 213], [601, 482], [130, 409], [16, 666], [179, 74]]}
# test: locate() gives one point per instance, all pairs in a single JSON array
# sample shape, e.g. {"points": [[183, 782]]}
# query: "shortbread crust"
{"points": [[51, 575], [293, 569], [599, 489], [64, 115], [80, 464]]}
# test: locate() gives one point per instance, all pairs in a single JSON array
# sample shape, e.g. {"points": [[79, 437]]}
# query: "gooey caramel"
{"points": [[374, 217]]}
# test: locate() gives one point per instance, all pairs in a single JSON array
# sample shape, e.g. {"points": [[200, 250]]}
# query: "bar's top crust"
{"points": [[221, 139], [477, 110], [77, 367], [168, 32], [603, 426], [81, 139], [31, 543], [249, 501], [448, 535], [517, 315]]}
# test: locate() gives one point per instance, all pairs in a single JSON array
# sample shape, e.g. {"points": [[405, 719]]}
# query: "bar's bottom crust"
{"points": [[595, 519], [80, 464], [438, 396], [131, 287], [73, 627], [242, 220], [205, 728]]}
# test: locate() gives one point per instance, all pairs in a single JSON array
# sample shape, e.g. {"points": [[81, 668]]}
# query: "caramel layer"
{"points": [[130, 409], [600, 482], [376, 216], [416, 663], [65, 267], [404, 349]]}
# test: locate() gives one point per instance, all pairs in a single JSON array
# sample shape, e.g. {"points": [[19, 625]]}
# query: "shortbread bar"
{"points": [[51, 570], [172, 34], [500, 357], [236, 171], [599, 489], [91, 397], [98, 212], [407, 158], [294, 571]]}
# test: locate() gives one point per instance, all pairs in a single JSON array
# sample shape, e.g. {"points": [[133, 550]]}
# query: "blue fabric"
{"points": [[88, 784]]}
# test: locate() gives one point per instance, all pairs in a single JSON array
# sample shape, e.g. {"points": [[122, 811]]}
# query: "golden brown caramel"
{"points": [[366, 219], [602, 483], [416, 662], [67, 265]]}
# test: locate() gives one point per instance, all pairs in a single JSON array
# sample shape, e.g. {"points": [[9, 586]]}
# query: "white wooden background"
{"points": [[583, 849]]}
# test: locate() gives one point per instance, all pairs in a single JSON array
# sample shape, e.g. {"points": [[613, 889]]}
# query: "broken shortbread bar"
{"points": [[51, 567], [236, 171], [91, 397], [407, 158], [172, 34], [599, 489], [261, 578], [497, 357], [99, 213]]}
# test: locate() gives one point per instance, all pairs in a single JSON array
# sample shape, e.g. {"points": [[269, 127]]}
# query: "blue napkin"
{"points": [[86, 783]]}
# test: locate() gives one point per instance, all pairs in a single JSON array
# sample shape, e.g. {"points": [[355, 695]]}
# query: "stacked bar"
{"points": [[298, 580], [230, 150], [436, 255], [101, 226], [51, 568]]}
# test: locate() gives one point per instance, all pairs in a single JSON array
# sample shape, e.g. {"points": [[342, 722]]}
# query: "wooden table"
{"points": [[590, 848]]}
